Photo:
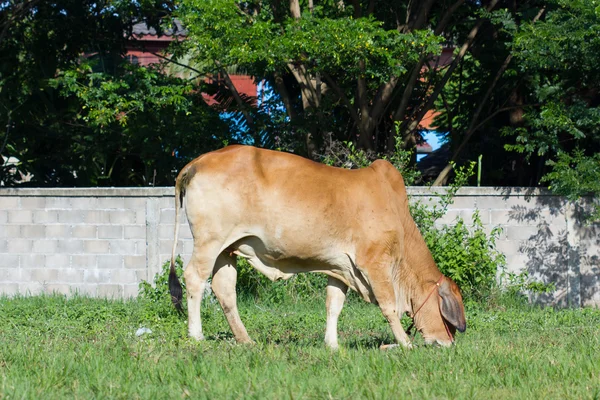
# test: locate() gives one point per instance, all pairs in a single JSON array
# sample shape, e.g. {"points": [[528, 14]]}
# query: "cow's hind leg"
{"points": [[336, 295], [223, 285], [196, 275]]}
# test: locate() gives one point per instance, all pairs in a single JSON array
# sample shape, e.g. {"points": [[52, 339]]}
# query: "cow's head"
{"points": [[442, 314]]}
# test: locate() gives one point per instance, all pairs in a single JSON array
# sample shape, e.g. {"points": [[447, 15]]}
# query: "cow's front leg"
{"points": [[384, 293], [336, 295]]}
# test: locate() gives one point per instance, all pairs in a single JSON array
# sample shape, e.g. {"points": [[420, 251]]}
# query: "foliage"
{"points": [[93, 120], [52, 347], [137, 125], [157, 293], [347, 155], [336, 70], [469, 256], [563, 127]]}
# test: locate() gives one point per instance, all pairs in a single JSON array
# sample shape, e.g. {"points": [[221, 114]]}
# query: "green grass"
{"points": [[51, 347]]}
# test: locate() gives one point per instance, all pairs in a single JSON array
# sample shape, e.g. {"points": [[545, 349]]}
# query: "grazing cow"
{"points": [[286, 215]]}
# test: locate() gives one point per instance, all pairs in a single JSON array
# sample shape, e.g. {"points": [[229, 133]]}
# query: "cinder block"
{"points": [[491, 203], [33, 231], [140, 217], [130, 291], [521, 201], [84, 231], [10, 274], [110, 261], [20, 246], [30, 203], [110, 291], [3, 246], [167, 216], [42, 274], [61, 261], [467, 216], [10, 231], [97, 275], [122, 247], [134, 232], [450, 218], [133, 203], [167, 202], [57, 288], [84, 203], [45, 246], [111, 203], [502, 217], [70, 246], [121, 217], [188, 246], [140, 246], [166, 231], [166, 245], [135, 262], [83, 290], [9, 289], [463, 202], [31, 288], [110, 232], [96, 246], [8, 203], [58, 203], [32, 260], [70, 275], [10, 261], [70, 216], [20, 217], [45, 217], [123, 276], [97, 217], [3, 217], [84, 261], [517, 262], [521, 232], [58, 231], [141, 275]]}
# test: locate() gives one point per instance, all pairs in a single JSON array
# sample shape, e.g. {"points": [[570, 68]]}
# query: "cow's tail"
{"points": [[174, 285]]}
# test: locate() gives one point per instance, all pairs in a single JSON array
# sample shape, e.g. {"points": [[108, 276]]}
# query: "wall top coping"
{"points": [[169, 191]]}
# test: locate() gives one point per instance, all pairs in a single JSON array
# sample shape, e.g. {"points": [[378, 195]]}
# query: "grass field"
{"points": [[51, 347]]}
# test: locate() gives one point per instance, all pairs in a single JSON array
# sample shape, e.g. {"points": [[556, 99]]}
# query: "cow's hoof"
{"points": [[385, 347], [332, 346], [198, 337]]}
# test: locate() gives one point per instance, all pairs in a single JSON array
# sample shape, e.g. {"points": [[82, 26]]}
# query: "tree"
{"points": [[93, 120], [344, 70]]}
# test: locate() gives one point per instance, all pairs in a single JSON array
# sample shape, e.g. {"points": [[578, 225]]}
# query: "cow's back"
{"points": [[295, 202]]}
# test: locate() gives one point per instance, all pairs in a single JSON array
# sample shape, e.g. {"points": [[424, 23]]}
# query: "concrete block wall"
{"points": [[103, 242]]}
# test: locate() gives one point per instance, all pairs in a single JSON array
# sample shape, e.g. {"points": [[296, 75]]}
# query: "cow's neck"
{"points": [[421, 268]]}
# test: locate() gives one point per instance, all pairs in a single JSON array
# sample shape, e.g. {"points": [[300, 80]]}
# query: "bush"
{"points": [[156, 295]]}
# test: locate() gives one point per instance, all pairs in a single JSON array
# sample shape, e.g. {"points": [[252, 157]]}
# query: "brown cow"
{"points": [[287, 215]]}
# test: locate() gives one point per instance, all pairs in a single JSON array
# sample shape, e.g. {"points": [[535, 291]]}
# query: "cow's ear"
{"points": [[451, 304]]}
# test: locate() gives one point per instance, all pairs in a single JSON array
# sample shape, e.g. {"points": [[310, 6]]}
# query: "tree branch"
{"points": [[285, 96], [343, 97], [472, 127], [438, 88], [238, 100], [295, 9]]}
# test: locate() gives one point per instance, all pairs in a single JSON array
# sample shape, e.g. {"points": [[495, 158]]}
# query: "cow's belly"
{"points": [[278, 258]]}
